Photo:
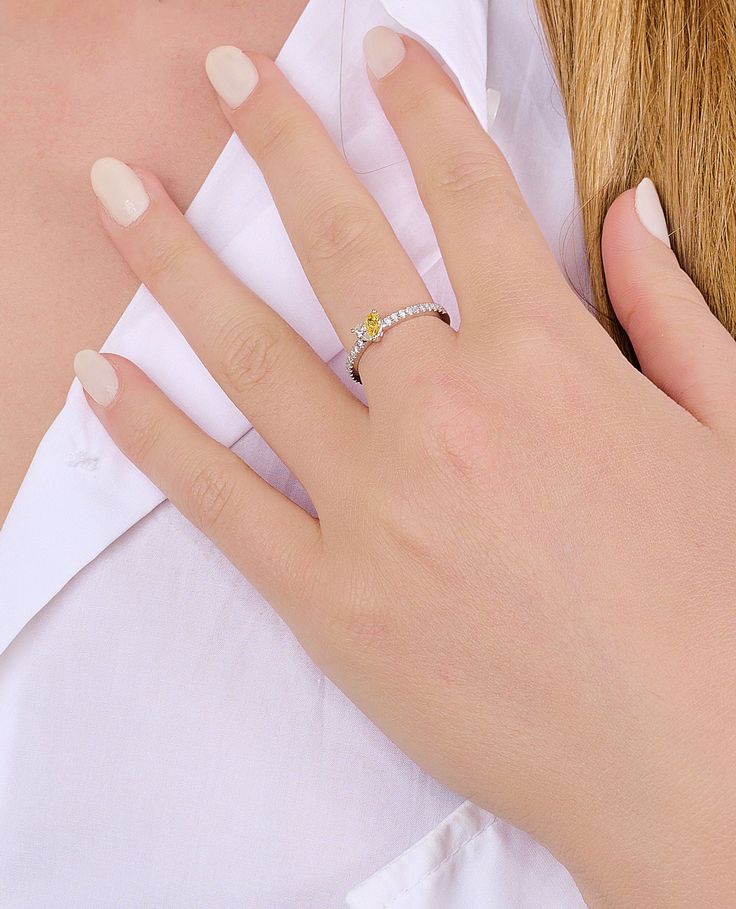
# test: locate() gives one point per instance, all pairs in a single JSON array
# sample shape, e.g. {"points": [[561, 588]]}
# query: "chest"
{"points": [[79, 82]]}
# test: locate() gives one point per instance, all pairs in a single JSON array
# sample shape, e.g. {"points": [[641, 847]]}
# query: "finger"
{"points": [[267, 370], [347, 247], [498, 261], [680, 344], [276, 546]]}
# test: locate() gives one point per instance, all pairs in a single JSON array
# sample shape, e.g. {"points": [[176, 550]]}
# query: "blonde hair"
{"points": [[649, 88]]}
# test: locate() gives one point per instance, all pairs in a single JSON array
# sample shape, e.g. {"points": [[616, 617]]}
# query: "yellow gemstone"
{"points": [[372, 324]]}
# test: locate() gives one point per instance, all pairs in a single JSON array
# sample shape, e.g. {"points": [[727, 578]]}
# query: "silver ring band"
{"points": [[372, 329]]}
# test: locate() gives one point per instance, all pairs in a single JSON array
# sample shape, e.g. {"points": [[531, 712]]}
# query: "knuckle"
{"points": [[637, 314], [421, 98], [337, 228], [471, 173], [167, 257], [681, 287], [143, 438], [248, 353], [646, 291], [405, 525], [459, 441], [208, 495], [276, 134], [455, 423], [536, 345]]}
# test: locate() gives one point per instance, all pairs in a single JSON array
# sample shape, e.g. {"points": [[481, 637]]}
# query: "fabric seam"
{"points": [[437, 867]]}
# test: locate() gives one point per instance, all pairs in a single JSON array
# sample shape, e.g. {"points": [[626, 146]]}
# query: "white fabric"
{"points": [[164, 742]]}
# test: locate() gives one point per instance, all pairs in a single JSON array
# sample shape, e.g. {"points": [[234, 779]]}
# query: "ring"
{"points": [[373, 327]]}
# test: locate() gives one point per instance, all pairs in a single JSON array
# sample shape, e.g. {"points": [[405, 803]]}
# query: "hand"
{"points": [[524, 560]]}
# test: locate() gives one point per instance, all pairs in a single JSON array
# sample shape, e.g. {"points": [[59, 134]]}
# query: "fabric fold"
{"points": [[472, 860]]}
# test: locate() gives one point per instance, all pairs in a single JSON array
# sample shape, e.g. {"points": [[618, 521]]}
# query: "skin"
{"points": [[65, 102], [532, 595]]}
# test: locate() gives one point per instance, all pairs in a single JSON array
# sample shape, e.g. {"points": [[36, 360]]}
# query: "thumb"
{"points": [[680, 344]]}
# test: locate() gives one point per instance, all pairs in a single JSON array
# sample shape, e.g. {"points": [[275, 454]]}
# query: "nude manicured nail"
{"points": [[649, 209], [233, 75], [384, 50], [97, 375], [120, 190]]}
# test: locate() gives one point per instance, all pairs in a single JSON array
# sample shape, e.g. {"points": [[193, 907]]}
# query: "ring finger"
{"points": [[349, 252]]}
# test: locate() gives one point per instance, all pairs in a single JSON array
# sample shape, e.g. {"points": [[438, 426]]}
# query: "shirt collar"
{"points": [[80, 493]]}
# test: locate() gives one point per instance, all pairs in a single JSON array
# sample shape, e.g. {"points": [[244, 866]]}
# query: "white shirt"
{"points": [[164, 741]]}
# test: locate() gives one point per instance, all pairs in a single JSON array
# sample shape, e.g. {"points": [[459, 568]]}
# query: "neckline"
{"points": [[80, 493]]}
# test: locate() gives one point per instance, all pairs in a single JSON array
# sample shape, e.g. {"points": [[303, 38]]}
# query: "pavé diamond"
{"points": [[373, 327]]}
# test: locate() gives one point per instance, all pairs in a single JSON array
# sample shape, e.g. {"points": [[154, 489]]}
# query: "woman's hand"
{"points": [[523, 562]]}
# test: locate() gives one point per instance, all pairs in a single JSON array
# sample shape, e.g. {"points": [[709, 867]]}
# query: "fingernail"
{"points": [[649, 209], [119, 189], [233, 75], [97, 375], [384, 50]]}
